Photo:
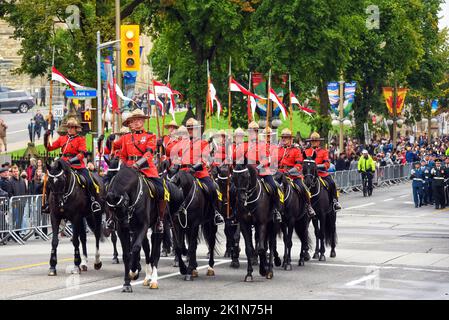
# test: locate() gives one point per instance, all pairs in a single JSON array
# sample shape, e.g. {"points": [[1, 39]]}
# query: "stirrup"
{"points": [[95, 206], [337, 205], [218, 219]]}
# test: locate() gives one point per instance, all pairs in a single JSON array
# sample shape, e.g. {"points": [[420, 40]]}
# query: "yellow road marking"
{"points": [[31, 265]]}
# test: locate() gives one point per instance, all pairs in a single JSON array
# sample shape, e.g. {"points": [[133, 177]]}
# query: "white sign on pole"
{"points": [[58, 112]]}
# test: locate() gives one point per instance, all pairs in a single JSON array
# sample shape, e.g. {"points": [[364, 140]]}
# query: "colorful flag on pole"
{"points": [[388, 95], [212, 98], [303, 108], [59, 77], [349, 97], [278, 102], [237, 87], [334, 98]]}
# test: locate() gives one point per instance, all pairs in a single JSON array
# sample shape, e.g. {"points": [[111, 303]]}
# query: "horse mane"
{"points": [[63, 165]]}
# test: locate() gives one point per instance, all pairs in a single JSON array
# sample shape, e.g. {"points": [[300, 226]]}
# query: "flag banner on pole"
{"points": [[388, 95], [157, 100], [278, 102], [161, 88], [434, 105], [237, 87], [349, 97], [59, 77], [212, 98], [303, 108], [113, 95], [334, 98], [172, 102], [120, 93], [253, 106]]}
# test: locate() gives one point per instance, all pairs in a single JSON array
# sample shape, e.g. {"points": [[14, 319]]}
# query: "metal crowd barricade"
{"points": [[5, 234], [25, 217]]}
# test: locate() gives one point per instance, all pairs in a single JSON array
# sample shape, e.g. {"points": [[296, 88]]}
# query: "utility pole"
{"points": [[118, 67], [340, 109], [395, 98]]}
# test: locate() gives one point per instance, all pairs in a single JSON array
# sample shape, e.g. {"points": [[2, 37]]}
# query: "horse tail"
{"points": [[330, 230]]}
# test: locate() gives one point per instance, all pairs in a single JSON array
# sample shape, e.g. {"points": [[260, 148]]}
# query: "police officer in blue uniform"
{"points": [[427, 182], [417, 174], [438, 173]]}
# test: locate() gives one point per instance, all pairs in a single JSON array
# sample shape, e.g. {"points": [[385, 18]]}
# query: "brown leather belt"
{"points": [[134, 158], [69, 155]]}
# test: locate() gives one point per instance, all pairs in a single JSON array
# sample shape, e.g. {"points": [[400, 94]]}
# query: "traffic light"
{"points": [[130, 47]]}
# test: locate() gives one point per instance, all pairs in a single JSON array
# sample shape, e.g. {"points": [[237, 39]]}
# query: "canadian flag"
{"points": [[237, 87], [59, 77], [212, 98], [278, 102], [303, 108]]}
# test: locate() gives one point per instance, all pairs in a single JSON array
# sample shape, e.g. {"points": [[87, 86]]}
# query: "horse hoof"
{"points": [[249, 278], [322, 257], [195, 273], [288, 267], [84, 268], [269, 275], [127, 288], [301, 262], [235, 264], [134, 275], [154, 285], [333, 254], [306, 256], [146, 282], [188, 277], [98, 265], [76, 270], [164, 253], [315, 255], [52, 272], [210, 272], [277, 261], [115, 260]]}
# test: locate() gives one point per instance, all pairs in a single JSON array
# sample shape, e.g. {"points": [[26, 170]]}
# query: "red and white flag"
{"points": [[158, 101], [161, 88], [237, 87], [59, 77], [212, 98], [278, 102], [302, 108]]}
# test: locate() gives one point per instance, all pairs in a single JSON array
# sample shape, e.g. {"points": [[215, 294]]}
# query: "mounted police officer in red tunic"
{"points": [[322, 161], [73, 149], [137, 150]]}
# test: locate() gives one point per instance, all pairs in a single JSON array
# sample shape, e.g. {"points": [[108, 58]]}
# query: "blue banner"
{"points": [[334, 98]]}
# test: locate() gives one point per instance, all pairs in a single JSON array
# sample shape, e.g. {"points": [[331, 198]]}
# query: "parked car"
{"points": [[16, 100]]}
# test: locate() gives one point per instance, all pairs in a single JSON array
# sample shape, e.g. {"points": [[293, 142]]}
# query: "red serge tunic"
{"points": [[137, 145], [288, 158], [193, 152], [322, 157], [71, 146]]}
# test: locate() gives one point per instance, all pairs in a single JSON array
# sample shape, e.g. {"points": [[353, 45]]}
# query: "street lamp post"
{"points": [[395, 98], [340, 108]]}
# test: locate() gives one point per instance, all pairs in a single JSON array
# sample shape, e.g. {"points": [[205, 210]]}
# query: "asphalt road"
{"points": [[17, 132], [387, 250]]}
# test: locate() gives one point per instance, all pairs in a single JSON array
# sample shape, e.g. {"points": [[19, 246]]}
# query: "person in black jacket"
{"points": [[5, 184], [340, 165], [19, 188]]}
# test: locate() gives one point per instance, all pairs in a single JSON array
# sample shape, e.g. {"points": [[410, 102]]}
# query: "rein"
{"points": [[66, 195]]}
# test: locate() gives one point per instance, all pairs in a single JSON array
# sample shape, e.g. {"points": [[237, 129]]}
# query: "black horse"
{"points": [[68, 200], [295, 218], [325, 224], [195, 211], [222, 176], [132, 204], [110, 228], [254, 207]]}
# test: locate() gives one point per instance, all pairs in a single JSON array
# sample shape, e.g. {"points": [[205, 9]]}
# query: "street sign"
{"points": [[81, 94], [58, 111]]}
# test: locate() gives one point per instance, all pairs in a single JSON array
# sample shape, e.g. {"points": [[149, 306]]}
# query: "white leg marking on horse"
{"points": [[148, 272], [154, 276], [97, 257]]}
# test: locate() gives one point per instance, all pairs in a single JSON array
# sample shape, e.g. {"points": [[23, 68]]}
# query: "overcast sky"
{"points": [[444, 14]]}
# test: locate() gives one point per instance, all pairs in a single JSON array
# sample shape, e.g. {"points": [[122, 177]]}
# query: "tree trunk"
{"points": [[324, 107]]}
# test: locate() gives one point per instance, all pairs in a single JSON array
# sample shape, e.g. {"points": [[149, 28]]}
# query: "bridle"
{"points": [[314, 179], [71, 187], [249, 192]]}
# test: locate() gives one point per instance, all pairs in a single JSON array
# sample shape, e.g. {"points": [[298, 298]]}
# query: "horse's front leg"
{"points": [[115, 259], [191, 252], [148, 269], [322, 238], [289, 243], [316, 227], [136, 245], [156, 243], [210, 231], [55, 222], [249, 249], [95, 223], [83, 239], [77, 227], [125, 240], [262, 249]]}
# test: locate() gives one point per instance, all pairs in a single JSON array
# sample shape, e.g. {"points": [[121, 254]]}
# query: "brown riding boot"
{"points": [[162, 205]]}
